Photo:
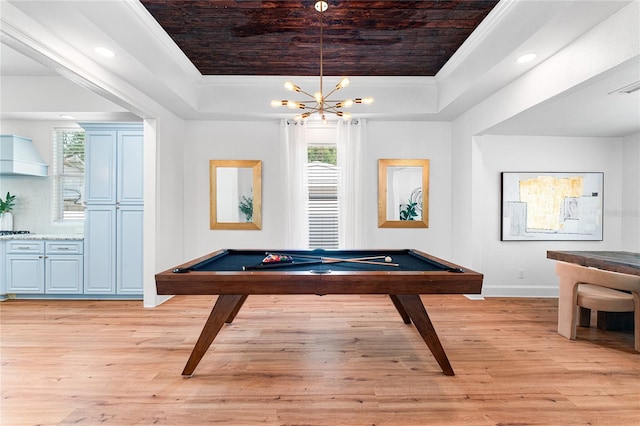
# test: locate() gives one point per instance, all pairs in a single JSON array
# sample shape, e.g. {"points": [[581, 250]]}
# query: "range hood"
{"points": [[19, 157]]}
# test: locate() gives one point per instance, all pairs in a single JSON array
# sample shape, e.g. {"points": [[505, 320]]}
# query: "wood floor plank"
{"points": [[307, 360]]}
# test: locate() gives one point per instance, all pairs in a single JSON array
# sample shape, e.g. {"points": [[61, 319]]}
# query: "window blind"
{"points": [[323, 205], [68, 174]]}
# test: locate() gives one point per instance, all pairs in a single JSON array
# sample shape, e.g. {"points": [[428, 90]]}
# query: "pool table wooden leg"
{"points": [[418, 314], [224, 307], [235, 311], [400, 309]]}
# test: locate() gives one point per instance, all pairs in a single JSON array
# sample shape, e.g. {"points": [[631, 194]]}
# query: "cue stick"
{"points": [[325, 257], [339, 259], [318, 261], [357, 260], [280, 265]]}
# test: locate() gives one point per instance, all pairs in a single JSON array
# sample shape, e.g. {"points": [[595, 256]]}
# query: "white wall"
{"points": [[164, 199], [630, 208], [216, 140], [33, 211], [607, 45], [504, 261], [407, 140], [206, 141]]}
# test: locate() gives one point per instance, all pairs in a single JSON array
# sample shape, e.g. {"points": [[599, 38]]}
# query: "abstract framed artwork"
{"points": [[552, 206]]}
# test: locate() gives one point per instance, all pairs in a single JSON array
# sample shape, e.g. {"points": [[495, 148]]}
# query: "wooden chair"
{"points": [[583, 288]]}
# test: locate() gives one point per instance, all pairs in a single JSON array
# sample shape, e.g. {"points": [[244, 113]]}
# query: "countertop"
{"points": [[63, 237]]}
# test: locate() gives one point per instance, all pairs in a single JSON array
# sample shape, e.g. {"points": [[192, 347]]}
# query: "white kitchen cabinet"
{"points": [[129, 261], [100, 249], [100, 167], [64, 267], [113, 160], [25, 267], [114, 180], [44, 267], [3, 268]]}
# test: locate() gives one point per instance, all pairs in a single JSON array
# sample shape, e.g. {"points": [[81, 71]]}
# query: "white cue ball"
{"points": [[388, 259]]}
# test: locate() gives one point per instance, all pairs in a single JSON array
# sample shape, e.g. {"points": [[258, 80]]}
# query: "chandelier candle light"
{"points": [[321, 103]]}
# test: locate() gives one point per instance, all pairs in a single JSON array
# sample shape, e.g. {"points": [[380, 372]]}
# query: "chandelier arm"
{"points": [[332, 92], [332, 109], [308, 94], [312, 108]]}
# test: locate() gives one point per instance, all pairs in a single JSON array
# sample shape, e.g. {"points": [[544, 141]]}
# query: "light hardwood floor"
{"points": [[309, 360]]}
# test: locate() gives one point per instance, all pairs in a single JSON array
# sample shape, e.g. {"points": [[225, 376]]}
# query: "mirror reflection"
{"points": [[403, 189], [234, 189], [404, 193], [235, 194]]}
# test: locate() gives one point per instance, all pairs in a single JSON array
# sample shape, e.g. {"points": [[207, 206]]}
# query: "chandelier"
{"points": [[319, 102]]}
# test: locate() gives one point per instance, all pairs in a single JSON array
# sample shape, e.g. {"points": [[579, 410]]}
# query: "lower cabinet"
{"points": [[100, 261], [44, 267], [129, 258], [114, 253]]}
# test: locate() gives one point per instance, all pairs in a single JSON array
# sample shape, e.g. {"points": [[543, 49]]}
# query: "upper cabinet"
{"points": [[113, 173], [130, 179]]}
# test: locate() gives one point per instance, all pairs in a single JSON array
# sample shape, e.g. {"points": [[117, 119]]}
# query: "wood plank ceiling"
{"points": [[360, 38]]}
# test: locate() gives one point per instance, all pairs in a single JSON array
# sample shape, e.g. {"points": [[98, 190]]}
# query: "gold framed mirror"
{"points": [[403, 193], [235, 194]]}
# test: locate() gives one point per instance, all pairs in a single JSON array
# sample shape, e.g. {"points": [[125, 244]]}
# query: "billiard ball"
{"points": [[388, 259]]}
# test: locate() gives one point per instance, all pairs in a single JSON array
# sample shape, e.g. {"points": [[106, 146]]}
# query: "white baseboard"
{"points": [[519, 291], [474, 296]]}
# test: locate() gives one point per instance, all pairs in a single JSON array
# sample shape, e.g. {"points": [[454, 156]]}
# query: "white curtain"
{"points": [[294, 185], [351, 190]]}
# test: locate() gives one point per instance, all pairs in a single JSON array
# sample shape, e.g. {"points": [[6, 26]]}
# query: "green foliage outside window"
{"points": [[72, 151], [322, 154]]}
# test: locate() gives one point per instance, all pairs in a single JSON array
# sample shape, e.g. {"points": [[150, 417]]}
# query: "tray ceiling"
{"points": [[361, 38]]}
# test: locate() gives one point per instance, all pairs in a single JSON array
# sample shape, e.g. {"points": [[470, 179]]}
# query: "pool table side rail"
{"points": [[305, 282]]}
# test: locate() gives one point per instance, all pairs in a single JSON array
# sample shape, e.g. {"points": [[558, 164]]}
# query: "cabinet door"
{"points": [[3, 274], [100, 167], [100, 250], [130, 170], [129, 250], [64, 274], [25, 273]]}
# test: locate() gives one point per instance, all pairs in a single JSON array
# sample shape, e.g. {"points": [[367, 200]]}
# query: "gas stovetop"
{"points": [[14, 232]]}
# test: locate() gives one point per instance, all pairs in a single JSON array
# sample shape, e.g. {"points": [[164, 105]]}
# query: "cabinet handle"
{"points": [[40, 257], [23, 248], [62, 248]]}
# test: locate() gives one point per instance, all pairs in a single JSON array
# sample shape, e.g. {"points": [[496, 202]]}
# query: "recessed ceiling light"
{"points": [[67, 116], [103, 51], [526, 58]]}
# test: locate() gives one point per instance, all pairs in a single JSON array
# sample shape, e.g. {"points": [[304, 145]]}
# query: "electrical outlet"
{"points": [[521, 274]]}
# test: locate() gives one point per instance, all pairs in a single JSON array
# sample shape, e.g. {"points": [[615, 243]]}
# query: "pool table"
{"points": [[233, 275]]}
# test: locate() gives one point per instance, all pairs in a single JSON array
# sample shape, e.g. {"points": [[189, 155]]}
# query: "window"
{"points": [[323, 177], [68, 174]]}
